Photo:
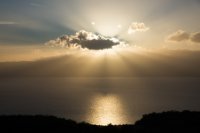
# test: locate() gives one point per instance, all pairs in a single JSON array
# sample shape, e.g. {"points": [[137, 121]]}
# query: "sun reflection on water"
{"points": [[106, 109]]}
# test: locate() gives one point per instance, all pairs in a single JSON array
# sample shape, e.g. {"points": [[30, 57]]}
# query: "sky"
{"points": [[82, 59], [34, 22], [125, 32]]}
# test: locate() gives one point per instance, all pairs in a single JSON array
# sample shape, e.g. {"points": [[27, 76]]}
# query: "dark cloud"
{"points": [[181, 35], [84, 39]]}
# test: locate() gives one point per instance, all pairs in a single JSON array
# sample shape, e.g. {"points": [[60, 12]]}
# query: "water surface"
{"points": [[98, 100]]}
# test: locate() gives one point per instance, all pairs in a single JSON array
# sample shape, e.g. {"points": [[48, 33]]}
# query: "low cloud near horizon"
{"points": [[164, 63]]}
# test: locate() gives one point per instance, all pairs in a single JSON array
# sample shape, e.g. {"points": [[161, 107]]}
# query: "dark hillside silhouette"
{"points": [[166, 122]]}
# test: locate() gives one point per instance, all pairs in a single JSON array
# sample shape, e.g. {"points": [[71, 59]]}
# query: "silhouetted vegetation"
{"points": [[166, 122]]}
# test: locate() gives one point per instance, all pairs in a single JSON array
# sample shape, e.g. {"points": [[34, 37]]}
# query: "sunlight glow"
{"points": [[93, 23], [107, 29], [130, 31], [106, 109], [119, 26]]}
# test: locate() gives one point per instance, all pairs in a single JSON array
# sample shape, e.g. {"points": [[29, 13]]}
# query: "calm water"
{"points": [[98, 100]]}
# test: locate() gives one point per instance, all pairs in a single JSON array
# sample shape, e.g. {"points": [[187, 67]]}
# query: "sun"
{"points": [[107, 29]]}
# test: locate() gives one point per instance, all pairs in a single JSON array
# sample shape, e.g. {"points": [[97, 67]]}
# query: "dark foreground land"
{"points": [[166, 122]]}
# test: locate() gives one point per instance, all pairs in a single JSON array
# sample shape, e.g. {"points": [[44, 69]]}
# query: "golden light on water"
{"points": [[106, 109]]}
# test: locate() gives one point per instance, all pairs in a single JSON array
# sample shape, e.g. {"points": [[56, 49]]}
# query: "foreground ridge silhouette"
{"points": [[165, 122]]}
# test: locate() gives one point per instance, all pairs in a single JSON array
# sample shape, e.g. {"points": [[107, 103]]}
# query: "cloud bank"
{"points": [[84, 40], [161, 63], [181, 35], [195, 37], [7, 23], [137, 27]]}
